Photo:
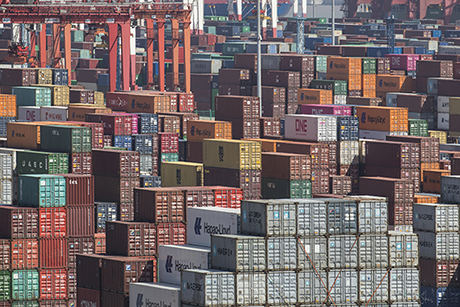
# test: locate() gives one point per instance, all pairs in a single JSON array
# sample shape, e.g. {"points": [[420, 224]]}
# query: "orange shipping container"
{"points": [[23, 135], [369, 93], [99, 243], [7, 105], [267, 144], [208, 129], [383, 96], [425, 199], [368, 82], [382, 118], [24, 254], [314, 96], [342, 65], [144, 103], [390, 83], [77, 113], [428, 166], [432, 180], [354, 81]]}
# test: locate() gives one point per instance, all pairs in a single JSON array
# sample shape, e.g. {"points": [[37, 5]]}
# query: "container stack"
{"points": [[168, 147], [378, 122], [290, 80], [339, 89], [369, 66], [8, 111], [347, 69], [347, 156], [205, 82]]}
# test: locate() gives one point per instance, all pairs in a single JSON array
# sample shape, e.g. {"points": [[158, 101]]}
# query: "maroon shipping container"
{"points": [[88, 297], [53, 303], [114, 299], [319, 152], [271, 94], [399, 173], [53, 284], [392, 154], [213, 196], [107, 141], [239, 107], [115, 189], [340, 185], [383, 66], [82, 163], [169, 124], [234, 75], [297, 62], [270, 127], [195, 152], [416, 103], [291, 108], [441, 69], [334, 154], [117, 273], [276, 110], [17, 76], [159, 205], [449, 87], [116, 100], [441, 273], [5, 256], [186, 102], [351, 171], [18, 222], [281, 78], [168, 142], [80, 221], [125, 211], [456, 70], [53, 222], [244, 128], [79, 189], [455, 167], [250, 181], [286, 166], [89, 270], [319, 181], [365, 101], [116, 163], [53, 253], [72, 284], [81, 96], [83, 245], [90, 75], [429, 147]]}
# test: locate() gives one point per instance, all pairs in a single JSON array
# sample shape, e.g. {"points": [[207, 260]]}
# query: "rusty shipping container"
{"points": [[250, 181], [80, 221], [319, 181], [340, 185], [53, 253], [429, 147], [18, 222], [116, 163], [286, 166], [82, 245], [159, 205], [99, 243], [24, 254]]}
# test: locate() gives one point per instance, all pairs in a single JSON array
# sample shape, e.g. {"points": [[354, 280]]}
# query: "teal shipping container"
{"points": [[25, 304], [32, 96], [25, 285], [69, 139], [38, 162], [5, 285], [42, 191]]}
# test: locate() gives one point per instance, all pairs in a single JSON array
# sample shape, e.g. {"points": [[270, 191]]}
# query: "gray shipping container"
{"points": [[343, 252], [153, 294], [281, 287], [316, 247], [404, 285], [373, 283], [372, 214], [205, 66], [251, 288], [281, 253], [436, 217], [441, 246], [311, 217], [342, 216], [6, 178], [450, 189], [403, 249], [238, 253], [373, 251], [268, 218], [207, 287], [311, 288], [343, 285], [270, 61]]}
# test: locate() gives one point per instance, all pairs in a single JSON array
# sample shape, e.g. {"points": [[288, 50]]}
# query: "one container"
{"points": [[24, 254], [202, 129], [159, 205], [373, 251], [53, 253], [372, 214], [373, 286], [312, 253], [204, 222], [104, 212], [150, 294], [53, 113], [436, 217], [80, 220], [345, 290], [53, 222], [310, 290], [29, 114], [232, 154], [251, 288], [404, 285], [238, 253], [450, 186], [310, 127], [117, 163], [42, 190], [281, 288], [343, 252], [440, 246], [311, 217], [342, 216], [177, 174], [18, 223], [172, 259], [25, 285], [82, 245], [403, 249], [38, 162]]}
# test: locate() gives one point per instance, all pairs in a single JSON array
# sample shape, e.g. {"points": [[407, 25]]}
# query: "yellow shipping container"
{"points": [[181, 174], [99, 99], [60, 94], [454, 105], [314, 96], [383, 118], [441, 135], [342, 65], [232, 154], [44, 76]]}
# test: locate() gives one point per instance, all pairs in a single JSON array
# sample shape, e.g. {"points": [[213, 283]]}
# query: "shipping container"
{"points": [[52, 222], [68, 139], [34, 162], [319, 153], [316, 109], [429, 147], [281, 288], [315, 96], [373, 286], [82, 245], [310, 127], [403, 249], [311, 288], [159, 205], [42, 190], [201, 129], [342, 216], [436, 217], [177, 174], [24, 254], [115, 189], [25, 285], [152, 294], [80, 220], [53, 253], [312, 253], [439, 246], [373, 251], [383, 119], [23, 135], [278, 188], [89, 297], [251, 288], [443, 273], [286, 166], [404, 285], [104, 212], [343, 252], [115, 163], [232, 154], [345, 290], [18, 223], [450, 186], [392, 154], [238, 107]]}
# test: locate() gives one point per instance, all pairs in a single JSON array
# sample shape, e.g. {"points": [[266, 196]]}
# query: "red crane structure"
{"points": [[118, 19]]}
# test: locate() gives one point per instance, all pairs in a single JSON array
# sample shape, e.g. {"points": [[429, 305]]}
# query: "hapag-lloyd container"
{"points": [[345, 290], [316, 249], [440, 246], [343, 252], [310, 127], [281, 287], [403, 61], [25, 285], [373, 251], [268, 218], [310, 289], [42, 190], [450, 189], [159, 205], [172, 259], [436, 217], [373, 286], [239, 253], [208, 287], [157, 294], [403, 249], [202, 222], [404, 285], [318, 109]]}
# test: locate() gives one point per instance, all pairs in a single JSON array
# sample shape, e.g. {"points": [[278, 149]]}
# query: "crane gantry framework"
{"points": [[118, 19]]}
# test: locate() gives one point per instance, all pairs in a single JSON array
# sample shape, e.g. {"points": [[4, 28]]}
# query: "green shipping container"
{"points": [[69, 139], [232, 48], [25, 285], [418, 127], [32, 96], [43, 191], [338, 86], [38, 162], [210, 29], [5, 285], [25, 304], [369, 66], [277, 188], [77, 36], [321, 63]]}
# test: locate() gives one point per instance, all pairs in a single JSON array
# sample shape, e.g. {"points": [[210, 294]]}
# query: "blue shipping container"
{"points": [[347, 128], [143, 143], [105, 212], [436, 33], [3, 122], [147, 123], [150, 181], [124, 141]]}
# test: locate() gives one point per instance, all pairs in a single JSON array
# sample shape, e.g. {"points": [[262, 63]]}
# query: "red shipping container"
{"points": [[79, 190], [159, 205], [249, 181], [84, 245], [318, 109], [80, 221], [24, 254], [82, 163], [5, 256], [114, 124], [429, 147], [53, 303], [88, 297], [99, 243], [125, 211], [116, 163], [168, 142], [72, 283], [53, 253], [319, 181], [53, 284], [118, 272], [53, 222], [107, 140], [186, 102], [319, 152], [18, 222], [227, 197], [114, 299]]}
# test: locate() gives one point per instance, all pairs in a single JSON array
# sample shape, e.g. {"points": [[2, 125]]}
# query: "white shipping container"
{"points": [[205, 221], [205, 66], [6, 190], [443, 104], [281, 287], [377, 135], [238, 253], [316, 248], [340, 99], [342, 216], [373, 251], [268, 218], [53, 113], [436, 217], [154, 294], [174, 258], [373, 286], [349, 152], [450, 189], [403, 249], [207, 287], [345, 288], [310, 127], [311, 288], [372, 214], [449, 50], [311, 217], [6, 166], [443, 121], [391, 99], [9, 185], [440, 246], [282, 253], [30, 114], [428, 45], [343, 252], [251, 288], [404, 285]]}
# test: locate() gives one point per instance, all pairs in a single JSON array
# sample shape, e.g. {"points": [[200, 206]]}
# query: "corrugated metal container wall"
{"points": [[373, 286], [53, 222], [89, 297], [116, 163], [5, 256], [18, 223], [80, 221], [157, 294], [79, 189], [372, 214], [441, 273], [337, 257], [439, 246], [104, 212], [281, 253], [311, 218], [316, 249], [251, 288], [42, 191], [310, 290], [76, 246], [24, 254], [159, 205], [342, 216], [53, 284], [373, 251], [403, 249], [404, 285], [53, 253], [281, 287], [436, 217], [345, 290]]}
